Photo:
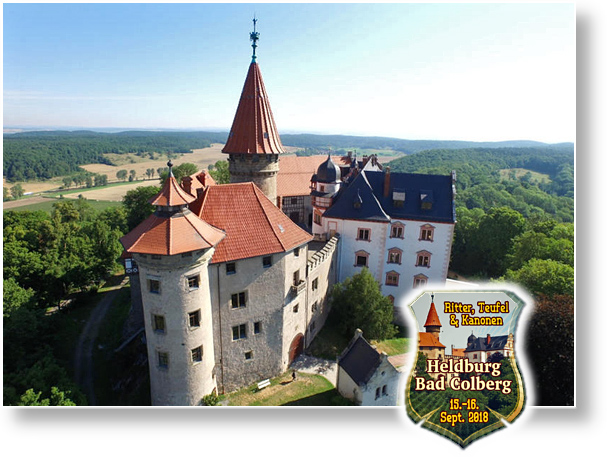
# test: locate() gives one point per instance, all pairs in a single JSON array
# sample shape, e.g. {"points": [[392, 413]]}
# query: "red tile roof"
{"points": [[170, 235], [458, 352], [171, 232], [295, 173], [172, 194], [253, 130], [432, 319], [253, 224], [429, 340]]}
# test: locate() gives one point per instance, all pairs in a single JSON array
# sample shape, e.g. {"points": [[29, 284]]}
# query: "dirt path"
{"points": [[83, 356], [23, 202]]}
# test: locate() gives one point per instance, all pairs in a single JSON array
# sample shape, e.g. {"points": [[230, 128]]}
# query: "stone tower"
{"points": [[253, 143], [173, 248], [433, 324]]}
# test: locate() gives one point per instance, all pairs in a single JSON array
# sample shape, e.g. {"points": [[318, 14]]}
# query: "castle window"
{"points": [[364, 234], [397, 231], [197, 354], [158, 323], [163, 360], [296, 279], [239, 332], [317, 218], [239, 300], [248, 355], [194, 282], [296, 308], [391, 298], [420, 280], [361, 259], [154, 286], [315, 284], [231, 268], [296, 252], [395, 255], [267, 261], [392, 278], [293, 200], [384, 390], [377, 392], [257, 328], [426, 233], [186, 254], [194, 319], [423, 259], [314, 306], [156, 257]]}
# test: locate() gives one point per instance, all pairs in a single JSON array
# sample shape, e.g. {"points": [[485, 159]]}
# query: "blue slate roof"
{"points": [[480, 344], [360, 361], [427, 198]]}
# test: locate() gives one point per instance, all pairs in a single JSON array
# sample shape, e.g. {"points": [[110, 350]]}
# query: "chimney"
{"points": [[387, 183], [488, 339], [186, 183]]}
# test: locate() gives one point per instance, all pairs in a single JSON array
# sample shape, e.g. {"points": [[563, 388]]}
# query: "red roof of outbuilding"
{"points": [[254, 226], [432, 319], [253, 130]]}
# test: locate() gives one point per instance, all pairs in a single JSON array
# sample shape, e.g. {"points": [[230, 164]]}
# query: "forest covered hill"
{"points": [[47, 154]]}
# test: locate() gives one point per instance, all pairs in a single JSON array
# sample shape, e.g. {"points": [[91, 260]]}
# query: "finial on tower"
{"points": [[254, 36], [170, 165]]}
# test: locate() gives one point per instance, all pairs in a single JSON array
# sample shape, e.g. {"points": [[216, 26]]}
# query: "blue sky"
{"points": [[484, 72]]}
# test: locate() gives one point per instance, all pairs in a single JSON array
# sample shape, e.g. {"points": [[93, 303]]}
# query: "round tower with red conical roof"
{"points": [[173, 248], [433, 324], [253, 143]]}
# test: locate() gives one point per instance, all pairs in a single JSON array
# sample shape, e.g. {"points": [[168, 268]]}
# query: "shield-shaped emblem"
{"points": [[465, 379]]}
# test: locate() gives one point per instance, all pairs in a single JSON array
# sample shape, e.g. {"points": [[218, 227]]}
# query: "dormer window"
{"points": [[426, 199], [398, 198]]}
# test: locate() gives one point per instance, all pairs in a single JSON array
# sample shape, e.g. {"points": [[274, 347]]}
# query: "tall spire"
{"points": [[254, 35]]}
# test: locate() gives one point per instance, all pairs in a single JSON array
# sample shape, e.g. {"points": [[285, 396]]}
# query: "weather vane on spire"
{"points": [[254, 37]]}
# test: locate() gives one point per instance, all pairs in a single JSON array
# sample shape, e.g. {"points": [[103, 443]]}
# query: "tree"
{"points": [[132, 175], [137, 206], [547, 277], [357, 303], [180, 171], [67, 182], [220, 172], [550, 347], [17, 191], [121, 175], [58, 398], [6, 195]]}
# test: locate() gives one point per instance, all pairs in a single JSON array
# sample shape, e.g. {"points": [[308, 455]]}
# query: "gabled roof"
{"points": [[360, 360], [358, 202], [429, 340], [253, 130], [480, 344], [253, 224], [432, 319]]}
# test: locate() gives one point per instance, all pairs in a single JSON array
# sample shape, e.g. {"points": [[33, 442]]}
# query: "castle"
{"points": [[233, 288]]}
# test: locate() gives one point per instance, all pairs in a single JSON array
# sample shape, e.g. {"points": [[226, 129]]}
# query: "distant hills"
{"points": [[47, 153]]}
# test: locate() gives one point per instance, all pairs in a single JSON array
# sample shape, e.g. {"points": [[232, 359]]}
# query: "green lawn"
{"points": [[394, 346], [307, 390], [98, 205]]}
